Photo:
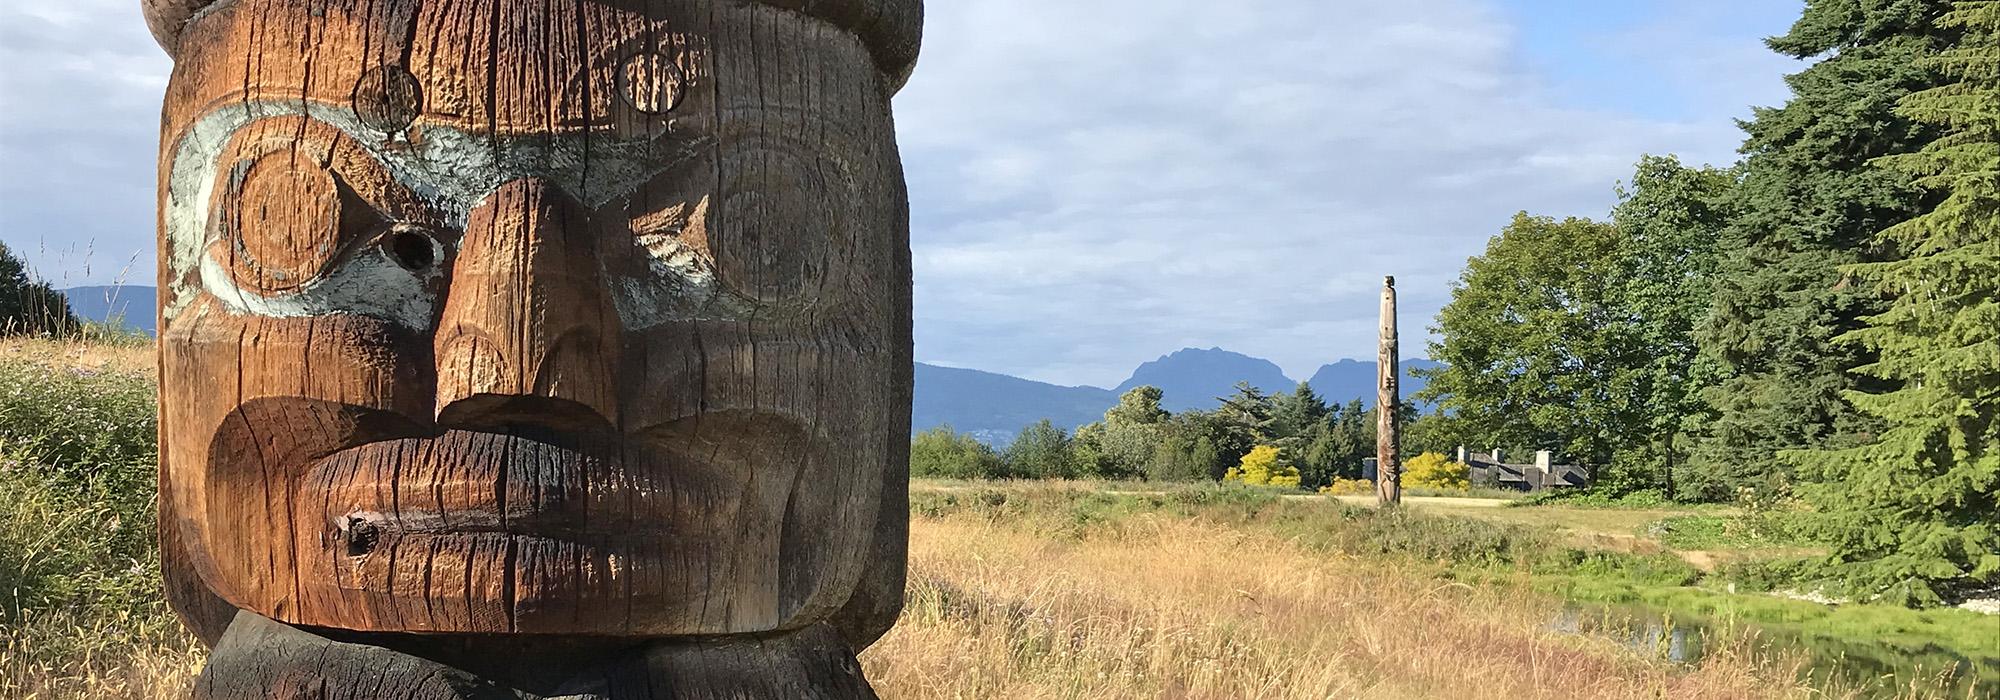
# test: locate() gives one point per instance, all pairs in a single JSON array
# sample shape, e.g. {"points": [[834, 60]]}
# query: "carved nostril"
{"points": [[413, 250]]}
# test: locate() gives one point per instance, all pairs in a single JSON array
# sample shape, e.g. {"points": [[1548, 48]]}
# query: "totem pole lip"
{"points": [[468, 482], [892, 29]]}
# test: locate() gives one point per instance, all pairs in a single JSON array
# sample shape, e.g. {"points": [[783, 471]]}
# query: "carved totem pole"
{"points": [[534, 348]]}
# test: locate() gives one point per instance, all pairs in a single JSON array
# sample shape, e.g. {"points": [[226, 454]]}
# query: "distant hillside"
{"points": [[133, 305], [1194, 379], [1348, 380], [994, 407]]}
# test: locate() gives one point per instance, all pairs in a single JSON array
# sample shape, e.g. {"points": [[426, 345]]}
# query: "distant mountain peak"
{"points": [[1194, 378]]}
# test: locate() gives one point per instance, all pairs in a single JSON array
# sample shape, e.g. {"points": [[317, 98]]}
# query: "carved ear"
{"points": [[169, 17]]}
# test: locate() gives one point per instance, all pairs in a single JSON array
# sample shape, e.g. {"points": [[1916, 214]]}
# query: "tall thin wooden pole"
{"points": [[1388, 399]]}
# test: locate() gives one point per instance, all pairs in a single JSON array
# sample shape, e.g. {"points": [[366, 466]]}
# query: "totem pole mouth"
{"points": [[466, 482], [334, 516], [591, 489]]}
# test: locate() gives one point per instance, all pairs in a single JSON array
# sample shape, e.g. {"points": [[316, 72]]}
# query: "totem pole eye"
{"points": [[786, 214], [283, 220]]}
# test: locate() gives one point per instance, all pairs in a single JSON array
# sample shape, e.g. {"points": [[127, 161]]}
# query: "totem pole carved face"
{"points": [[551, 317]]}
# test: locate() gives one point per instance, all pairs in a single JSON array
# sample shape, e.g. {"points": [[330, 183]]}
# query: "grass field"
{"points": [[1023, 590], [1167, 605]]}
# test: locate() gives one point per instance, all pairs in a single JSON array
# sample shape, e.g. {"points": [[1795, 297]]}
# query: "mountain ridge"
{"points": [[134, 305]]}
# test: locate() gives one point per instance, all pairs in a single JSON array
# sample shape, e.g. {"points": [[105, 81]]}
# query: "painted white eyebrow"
{"points": [[452, 170]]}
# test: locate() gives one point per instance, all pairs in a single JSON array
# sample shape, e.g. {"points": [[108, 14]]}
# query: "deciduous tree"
{"points": [[1536, 349], [1042, 451], [1671, 217]]}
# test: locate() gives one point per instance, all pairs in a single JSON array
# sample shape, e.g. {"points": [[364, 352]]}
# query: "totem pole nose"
{"points": [[529, 335]]}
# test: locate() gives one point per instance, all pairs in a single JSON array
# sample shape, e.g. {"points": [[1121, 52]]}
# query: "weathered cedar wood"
{"points": [[534, 348], [1388, 399]]}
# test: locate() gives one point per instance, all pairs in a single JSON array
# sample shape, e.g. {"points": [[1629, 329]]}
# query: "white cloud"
{"points": [[1095, 184]]}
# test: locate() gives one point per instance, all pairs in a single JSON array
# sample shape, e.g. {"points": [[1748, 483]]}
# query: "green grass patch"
{"points": [[79, 564]]}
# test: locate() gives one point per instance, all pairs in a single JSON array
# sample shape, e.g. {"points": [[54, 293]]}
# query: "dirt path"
{"points": [[1425, 501]]}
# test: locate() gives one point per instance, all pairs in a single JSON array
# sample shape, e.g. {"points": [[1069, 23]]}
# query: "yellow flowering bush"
{"points": [[1349, 487], [1264, 466], [1433, 470]]}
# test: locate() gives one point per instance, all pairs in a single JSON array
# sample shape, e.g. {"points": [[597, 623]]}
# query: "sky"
{"points": [[1096, 183]]}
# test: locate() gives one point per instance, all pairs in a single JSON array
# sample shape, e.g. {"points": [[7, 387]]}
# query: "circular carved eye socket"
{"points": [[282, 223], [653, 83], [783, 216]]}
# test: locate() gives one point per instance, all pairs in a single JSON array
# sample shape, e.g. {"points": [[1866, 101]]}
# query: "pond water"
{"points": [[1845, 663]]}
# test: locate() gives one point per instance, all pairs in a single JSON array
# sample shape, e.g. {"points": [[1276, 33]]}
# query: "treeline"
{"points": [[1818, 321], [1138, 439]]}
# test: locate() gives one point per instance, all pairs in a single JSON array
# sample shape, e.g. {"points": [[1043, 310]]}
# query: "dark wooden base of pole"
{"points": [[259, 659]]}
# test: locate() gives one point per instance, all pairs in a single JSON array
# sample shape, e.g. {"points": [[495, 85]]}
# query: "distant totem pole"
{"points": [[1388, 402], [534, 348]]}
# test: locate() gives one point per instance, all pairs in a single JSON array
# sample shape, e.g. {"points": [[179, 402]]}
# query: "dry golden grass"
{"points": [[80, 354], [1167, 609], [98, 661]]}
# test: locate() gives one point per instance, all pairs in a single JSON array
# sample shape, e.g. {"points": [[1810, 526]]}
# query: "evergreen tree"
{"points": [[1809, 204], [1248, 416], [1336, 447], [27, 305], [1913, 513], [1294, 416]]}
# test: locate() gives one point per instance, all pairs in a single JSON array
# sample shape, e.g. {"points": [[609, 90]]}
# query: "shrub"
{"points": [[1349, 487], [1643, 499], [1265, 466], [1433, 470], [1042, 451], [948, 454]]}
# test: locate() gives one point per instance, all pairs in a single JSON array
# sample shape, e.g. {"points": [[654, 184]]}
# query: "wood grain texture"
{"points": [[892, 29], [549, 320]]}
